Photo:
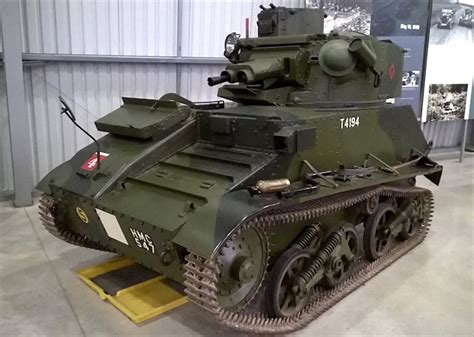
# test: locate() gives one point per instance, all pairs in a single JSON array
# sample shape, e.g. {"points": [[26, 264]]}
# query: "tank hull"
{"points": [[271, 211], [189, 191]]}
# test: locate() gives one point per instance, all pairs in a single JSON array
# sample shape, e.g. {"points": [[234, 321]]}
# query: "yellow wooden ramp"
{"points": [[138, 292]]}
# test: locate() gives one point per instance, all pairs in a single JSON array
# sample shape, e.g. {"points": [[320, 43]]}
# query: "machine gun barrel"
{"points": [[224, 77]]}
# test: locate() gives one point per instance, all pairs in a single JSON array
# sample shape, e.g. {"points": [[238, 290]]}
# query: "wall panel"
{"points": [[444, 133], [99, 27], [194, 82], [207, 23]]}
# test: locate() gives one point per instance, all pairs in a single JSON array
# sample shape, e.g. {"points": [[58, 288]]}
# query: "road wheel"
{"points": [[283, 298], [377, 236]]}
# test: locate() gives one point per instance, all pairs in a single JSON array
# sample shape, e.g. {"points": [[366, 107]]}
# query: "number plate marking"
{"points": [[143, 240], [350, 122]]}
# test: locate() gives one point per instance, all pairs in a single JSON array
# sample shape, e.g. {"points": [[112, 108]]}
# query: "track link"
{"points": [[201, 273], [48, 211]]}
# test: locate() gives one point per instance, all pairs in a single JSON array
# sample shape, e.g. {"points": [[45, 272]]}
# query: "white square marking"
{"points": [[111, 225]]}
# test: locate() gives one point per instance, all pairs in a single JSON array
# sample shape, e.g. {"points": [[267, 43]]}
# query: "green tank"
{"points": [[269, 211]]}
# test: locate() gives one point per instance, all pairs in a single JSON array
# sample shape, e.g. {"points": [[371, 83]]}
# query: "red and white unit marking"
{"points": [[91, 163]]}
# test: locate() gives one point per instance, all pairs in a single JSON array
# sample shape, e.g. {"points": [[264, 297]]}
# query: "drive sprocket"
{"points": [[49, 211], [242, 262]]}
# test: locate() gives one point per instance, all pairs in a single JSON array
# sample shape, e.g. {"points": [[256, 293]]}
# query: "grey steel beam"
{"points": [[463, 140], [28, 63], [17, 113], [179, 43], [29, 58], [123, 59]]}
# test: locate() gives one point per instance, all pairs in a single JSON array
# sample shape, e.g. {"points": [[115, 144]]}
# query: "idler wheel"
{"points": [[242, 262], [370, 205], [377, 234], [414, 221], [340, 264], [283, 297]]}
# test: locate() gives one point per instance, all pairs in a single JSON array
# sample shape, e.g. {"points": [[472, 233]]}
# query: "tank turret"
{"points": [[295, 64]]}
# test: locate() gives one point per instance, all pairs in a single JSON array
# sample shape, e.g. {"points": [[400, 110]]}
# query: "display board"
{"points": [[450, 65]]}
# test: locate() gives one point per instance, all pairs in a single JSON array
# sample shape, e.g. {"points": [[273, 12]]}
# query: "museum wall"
{"points": [[138, 28]]}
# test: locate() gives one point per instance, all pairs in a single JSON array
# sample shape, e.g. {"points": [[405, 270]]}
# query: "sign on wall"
{"points": [[450, 66]]}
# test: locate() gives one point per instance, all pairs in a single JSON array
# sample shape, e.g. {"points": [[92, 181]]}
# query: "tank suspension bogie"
{"points": [[314, 271], [341, 262], [311, 262]]}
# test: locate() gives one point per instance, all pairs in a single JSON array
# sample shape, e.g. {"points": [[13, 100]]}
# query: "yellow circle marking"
{"points": [[82, 215]]}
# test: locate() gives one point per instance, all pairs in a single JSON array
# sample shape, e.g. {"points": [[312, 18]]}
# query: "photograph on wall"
{"points": [[446, 102], [411, 78], [399, 17], [344, 15], [451, 21]]}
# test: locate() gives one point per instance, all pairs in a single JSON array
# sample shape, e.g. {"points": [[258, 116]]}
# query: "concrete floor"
{"points": [[427, 292]]}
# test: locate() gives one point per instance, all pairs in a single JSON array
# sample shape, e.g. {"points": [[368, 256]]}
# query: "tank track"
{"points": [[201, 274], [47, 211]]}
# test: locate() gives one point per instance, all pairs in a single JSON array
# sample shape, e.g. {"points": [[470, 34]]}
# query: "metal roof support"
{"points": [[40, 57], [17, 113], [463, 140], [179, 44]]}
